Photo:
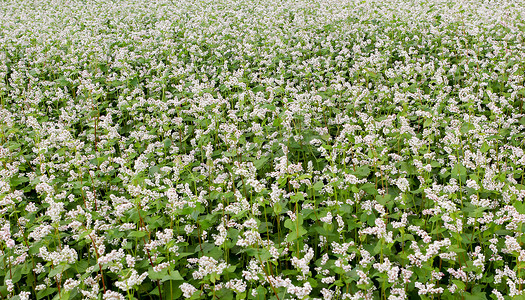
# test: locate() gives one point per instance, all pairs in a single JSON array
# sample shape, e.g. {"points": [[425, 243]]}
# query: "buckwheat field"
{"points": [[258, 149]]}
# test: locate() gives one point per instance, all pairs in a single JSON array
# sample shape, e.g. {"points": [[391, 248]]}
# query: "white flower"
{"points": [[133, 280], [24, 295], [402, 184], [187, 289], [112, 295]]}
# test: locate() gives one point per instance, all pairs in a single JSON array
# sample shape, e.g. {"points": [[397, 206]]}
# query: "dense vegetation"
{"points": [[258, 149]]}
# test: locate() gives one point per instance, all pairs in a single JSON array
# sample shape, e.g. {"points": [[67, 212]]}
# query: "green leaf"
{"points": [[261, 293], [318, 186], [231, 269], [289, 224], [454, 248], [466, 127], [383, 199], [520, 207], [459, 169], [171, 290], [296, 234], [297, 197], [369, 188], [162, 275], [322, 231], [62, 296], [45, 292], [261, 253], [240, 296], [371, 220], [485, 147], [221, 294], [435, 164], [459, 172], [154, 291], [18, 180], [84, 234], [459, 284], [277, 208], [62, 81], [137, 234], [81, 266], [58, 270], [26, 268], [153, 170], [259, 164], [15, 275], [282, 181], [362, 171]]}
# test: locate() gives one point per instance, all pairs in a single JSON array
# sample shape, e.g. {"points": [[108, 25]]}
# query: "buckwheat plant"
{"points": [[262, 149]]}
